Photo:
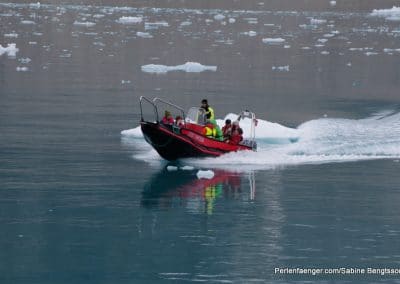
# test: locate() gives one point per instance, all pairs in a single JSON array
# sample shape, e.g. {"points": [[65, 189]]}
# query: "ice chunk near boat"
{"points": [[187, 168], [190, 67], [129, 20], [172, 168], [11, 50], [205, 174]]}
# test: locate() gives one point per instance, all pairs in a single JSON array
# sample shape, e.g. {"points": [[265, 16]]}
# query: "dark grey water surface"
{"points": [[79, 205]]}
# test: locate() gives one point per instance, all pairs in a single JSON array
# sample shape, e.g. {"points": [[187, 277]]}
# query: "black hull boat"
{"points": [[187, 140]]}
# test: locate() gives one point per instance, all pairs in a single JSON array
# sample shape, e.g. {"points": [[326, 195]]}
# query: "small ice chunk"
{"points": [[185, 23], [205, 174], [250, 33], [349, 64], [11, 35], [269, 40], [123, 82], [129, 20], [314, 21], [369, 53], [306, 48], [190, 67], [27, 22], [21, 69], [285, 68], [155, 25], [323, 40], [84, 24], [332, 3], [144, 35], [172, 168], [25, 60], [286, 46], [324, 52], [11, 50], [231, 20], [219, 17], [187, 168]]}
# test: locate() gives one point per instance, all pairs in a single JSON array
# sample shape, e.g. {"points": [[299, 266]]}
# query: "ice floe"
{"points": [[314, 21], [250, 33], [144, 35], [285, 68], [21, 69], [155, 25], [129, 20], [190, 67], [27, 22], [205, 174], [11, 50], [392, 14], [219, 17], [269, 40], [84, 24], [11, 35]]}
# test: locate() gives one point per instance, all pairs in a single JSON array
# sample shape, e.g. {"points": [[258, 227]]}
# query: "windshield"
{"points": [[196, 115]]}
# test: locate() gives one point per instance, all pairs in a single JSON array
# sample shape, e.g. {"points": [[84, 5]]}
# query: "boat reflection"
{"points": [[198, 195]]}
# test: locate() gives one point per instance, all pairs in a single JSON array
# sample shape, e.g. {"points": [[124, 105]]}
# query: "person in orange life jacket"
{"points": [[237, 136], [179, 121], [208, 109], [227, 129], [167, 119]]}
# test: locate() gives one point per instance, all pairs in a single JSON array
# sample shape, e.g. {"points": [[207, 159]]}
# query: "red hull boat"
{"points": [[173, 142]]}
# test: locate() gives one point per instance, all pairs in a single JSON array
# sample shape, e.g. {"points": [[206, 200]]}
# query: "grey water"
{"points": [[80, 203]]}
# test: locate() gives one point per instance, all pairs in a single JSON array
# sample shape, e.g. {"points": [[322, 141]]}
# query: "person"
{"points": [[208, 109], [179, 121], [167, 119], [212, 129], [237, 136], [227, 129]]}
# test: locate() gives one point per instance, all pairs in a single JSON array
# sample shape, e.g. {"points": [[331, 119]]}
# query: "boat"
{"points": [[187, 140]]}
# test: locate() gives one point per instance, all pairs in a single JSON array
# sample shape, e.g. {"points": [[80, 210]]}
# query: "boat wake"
{"points": [[324, 140]]}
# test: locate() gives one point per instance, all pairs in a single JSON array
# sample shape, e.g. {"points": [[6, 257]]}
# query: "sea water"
{"points": [[84, 199]]}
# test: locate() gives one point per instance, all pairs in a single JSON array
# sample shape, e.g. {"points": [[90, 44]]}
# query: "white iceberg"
{"points": [[285, 68], [190, 67], [130, 20], [11, 50]]}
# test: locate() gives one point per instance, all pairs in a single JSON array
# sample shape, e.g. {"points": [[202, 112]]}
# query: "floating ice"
{"points": [[324, 52], [317, 21], [84, 24], [281, 68], [185, 23], [172, 168], [273, 40], [155, 25], [219, 17], [11, 50], [25, 60], [371, 53], [231, 20], [190, 67], [323, 40], [392, 14], [391, 50], [332, 3], [130, 20], [21, 69], [27, 22], [144, 35], [11, 35], [205, 174], [187, 168], [250, 33]]}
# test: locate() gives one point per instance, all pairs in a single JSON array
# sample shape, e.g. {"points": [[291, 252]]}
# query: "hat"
{"points": [[228, 121], [167, 113], [204, 101]]}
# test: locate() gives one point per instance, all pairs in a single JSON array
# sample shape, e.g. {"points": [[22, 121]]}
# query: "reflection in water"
{"points": [[168, 188]]}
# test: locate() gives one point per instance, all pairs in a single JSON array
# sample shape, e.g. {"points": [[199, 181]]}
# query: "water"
{"points": [[82, 203]]}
